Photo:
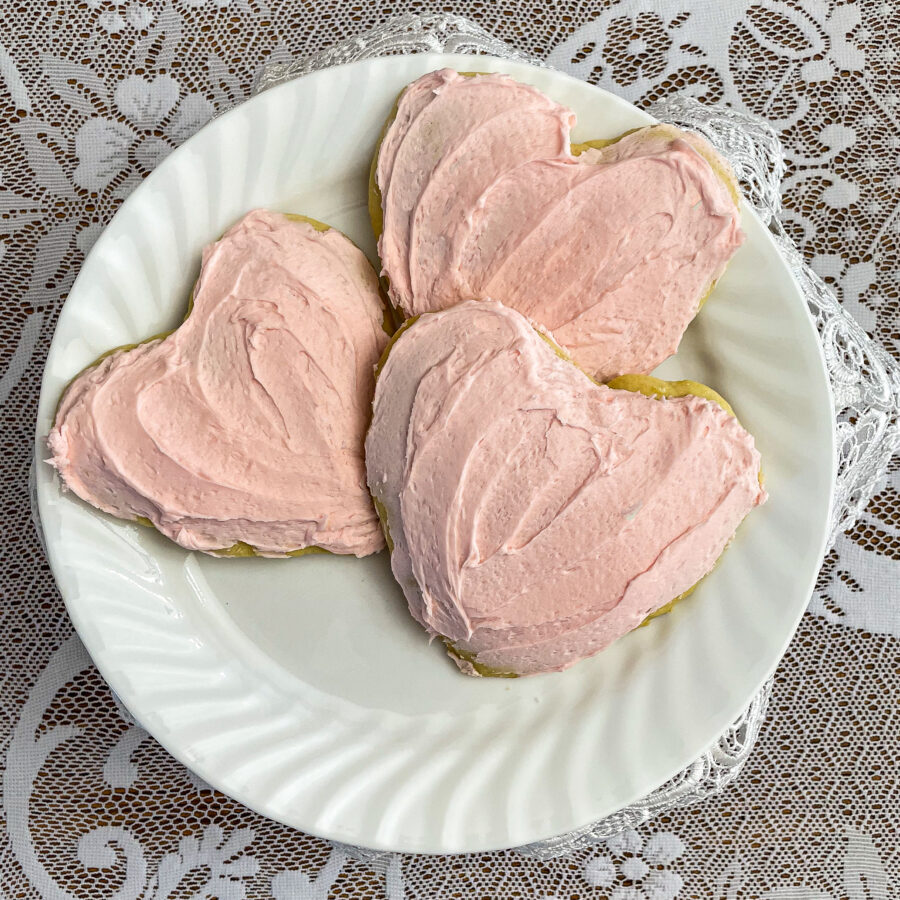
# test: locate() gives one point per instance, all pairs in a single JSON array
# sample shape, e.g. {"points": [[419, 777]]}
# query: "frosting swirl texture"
{"points": [[536, 516], [612, 250], [246, 424]]}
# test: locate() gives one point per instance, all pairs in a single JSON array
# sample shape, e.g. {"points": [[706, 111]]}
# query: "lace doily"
{"points": [[96, 94]]}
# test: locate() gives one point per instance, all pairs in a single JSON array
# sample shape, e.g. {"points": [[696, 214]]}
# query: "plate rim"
{"points": [[116, 678]]}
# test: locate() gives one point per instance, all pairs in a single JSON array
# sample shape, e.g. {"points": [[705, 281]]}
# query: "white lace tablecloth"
{"points": [[94, 94]]}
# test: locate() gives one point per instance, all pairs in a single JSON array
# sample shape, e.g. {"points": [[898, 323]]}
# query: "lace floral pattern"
{"points": [[93, 807], [627, 857]]}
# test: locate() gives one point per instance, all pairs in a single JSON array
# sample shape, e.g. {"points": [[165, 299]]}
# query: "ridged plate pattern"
{"points": [[301, 687]]}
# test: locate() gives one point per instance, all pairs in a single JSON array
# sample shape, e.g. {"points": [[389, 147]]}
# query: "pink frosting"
{"points": [[247, 423], [612, 250], [536, 517]]}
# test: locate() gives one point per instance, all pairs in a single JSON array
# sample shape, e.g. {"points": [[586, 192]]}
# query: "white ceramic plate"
{"points": [[301, 687]]}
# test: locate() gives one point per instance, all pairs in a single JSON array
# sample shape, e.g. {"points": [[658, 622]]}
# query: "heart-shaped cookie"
{"points": [[478, 195], [243, 429], [535, 516]]}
